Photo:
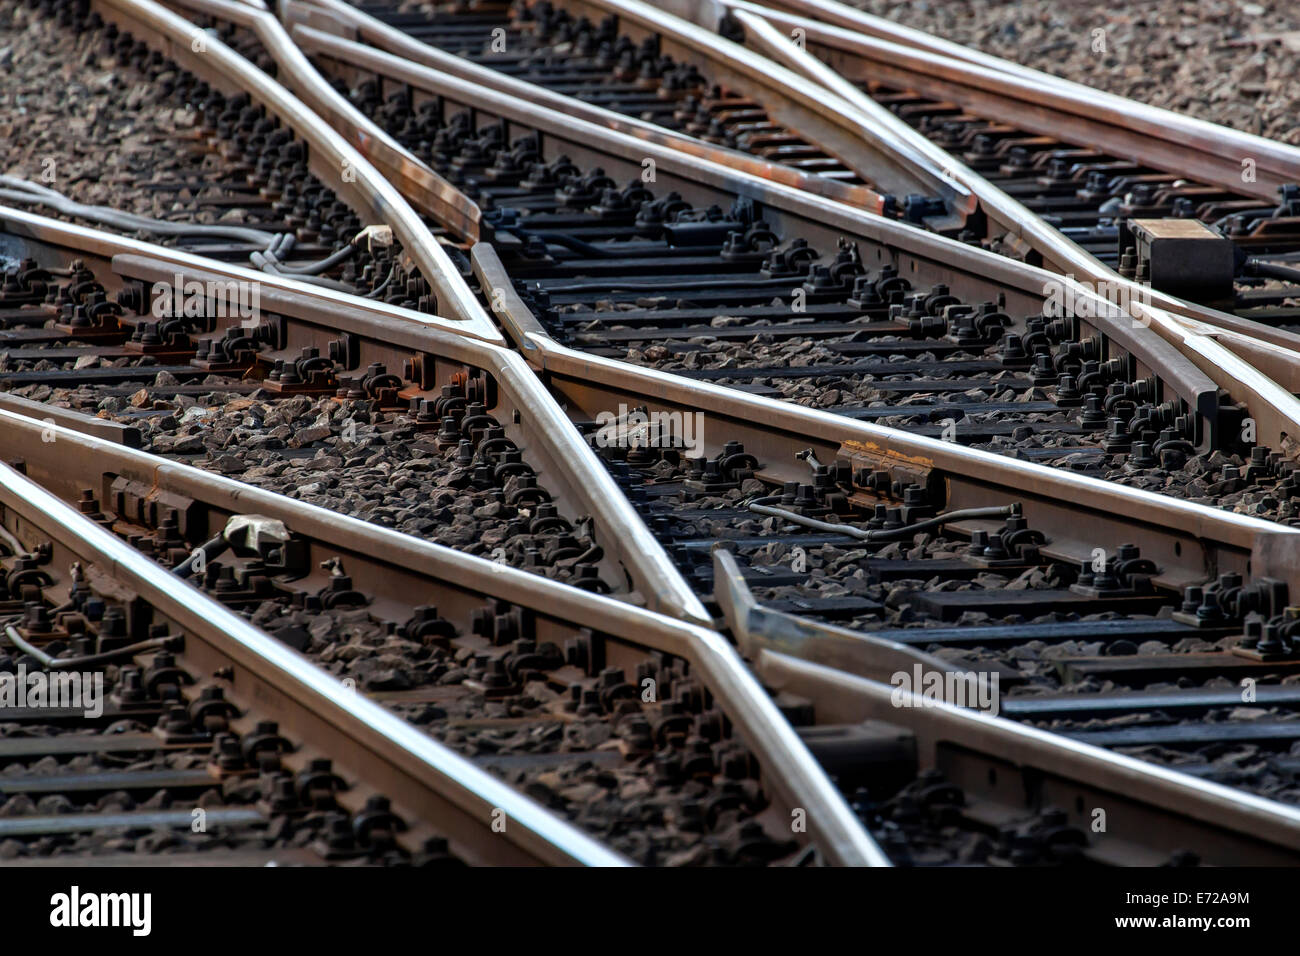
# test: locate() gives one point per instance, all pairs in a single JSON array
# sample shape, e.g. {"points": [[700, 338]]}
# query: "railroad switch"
{"points": [[1183, 257]]}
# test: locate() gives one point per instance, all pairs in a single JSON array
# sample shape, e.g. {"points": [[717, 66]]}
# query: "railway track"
{"points": [[257, 177], [531, 691], [588, 241], [304, 424], [400, 368], [183, 734], [600, 74], [1050, 160], [668, 494], [820, 431], [882, 144], [143, 501]]}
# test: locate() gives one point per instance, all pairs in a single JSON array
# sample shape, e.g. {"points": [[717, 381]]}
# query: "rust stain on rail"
{"points": [[870, 449]]}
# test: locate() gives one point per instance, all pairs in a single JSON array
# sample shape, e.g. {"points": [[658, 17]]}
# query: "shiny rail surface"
{"points": [[336, 162], [436, 792], [932, 558], [1044, 168], [396, 569], [1231, 351], [378, 339], [401, 557], [1271, 405]]}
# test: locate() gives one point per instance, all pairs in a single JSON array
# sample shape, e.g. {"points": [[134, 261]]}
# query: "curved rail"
{"points": [[566, 459], [1227, 541], [430, 193], [1142, 126], [346, 21], [926, 256], [793, 101], [73, 458], [1216, 359], [427, 781], [846, 56], [774, 431], [331, 157], [24, 230], [1221, 360]]}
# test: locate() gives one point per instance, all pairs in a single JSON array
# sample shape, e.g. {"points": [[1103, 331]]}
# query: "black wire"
{"points": [[1272, 270]]}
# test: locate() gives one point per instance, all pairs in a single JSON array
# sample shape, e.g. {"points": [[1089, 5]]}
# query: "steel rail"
{"points": [[1236, 554], [1217, 360], [348, 22], [538, 427], [72, 458], [727, 648], [427, 781], [1234, 361], [1276, 410], [1058, 253], [804, 107], [1189, 542], [1226, 826], [794, 774], [1228, 145], [423, 187], [329, 155], [921, 256], [1220, 358], [24, 233], [1279, 409], [542, 430], [757, 628]]}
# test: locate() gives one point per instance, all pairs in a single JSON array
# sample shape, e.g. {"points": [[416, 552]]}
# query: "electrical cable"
{"points": [[763, 506]]}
